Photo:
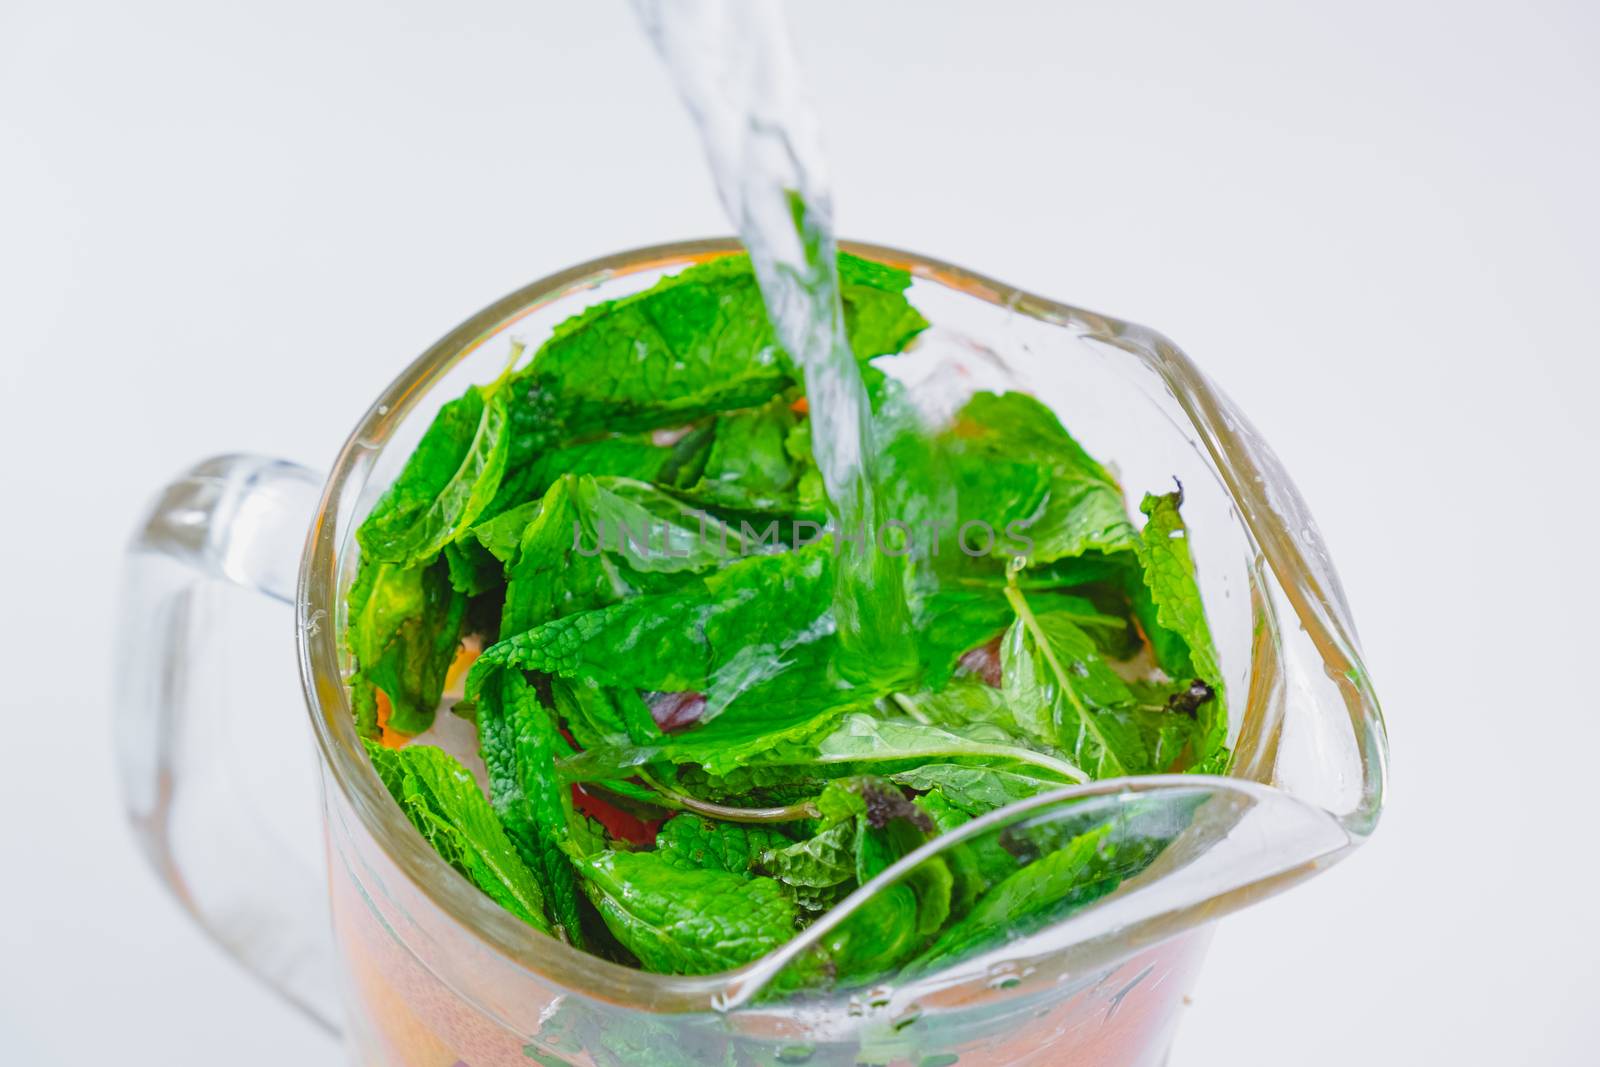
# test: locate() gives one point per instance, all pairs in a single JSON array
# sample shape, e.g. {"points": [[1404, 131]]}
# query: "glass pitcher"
{"points": [[417, 967]]}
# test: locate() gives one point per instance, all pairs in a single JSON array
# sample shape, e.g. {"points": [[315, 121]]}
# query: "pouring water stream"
{"points": [[731, 62], [732, 65]]}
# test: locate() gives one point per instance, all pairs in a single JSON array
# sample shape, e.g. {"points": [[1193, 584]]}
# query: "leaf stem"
{"points": [[805, 809]]}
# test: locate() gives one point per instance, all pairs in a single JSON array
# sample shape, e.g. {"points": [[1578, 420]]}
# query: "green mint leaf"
{"points": [[975, 865], [1054, 679], [880, 847], [1175, 619], [595, 542], [863, 738], [501, 536], [746, 616], [621, 455], [1082, 509], [548, 578], [877, 317], [961, 703], [404, 630], [1046, 890], [690, 842], [442, 800], [780, 705], [1063, 692], [448, 481], [976, 790], [519, 745], [760, 462], [631, 455], [650, 530], [867, 825], [686, 921], [1066, 863], [876, 939], [601, 717], [825, 860], [695, 343], [752, 785], [953, 622], [473, 570]]}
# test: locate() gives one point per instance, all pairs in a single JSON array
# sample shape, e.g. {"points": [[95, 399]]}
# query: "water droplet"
{"points": [[796, 1053], [312, 623], [1005, 981], [383, 409], [879, 997]]}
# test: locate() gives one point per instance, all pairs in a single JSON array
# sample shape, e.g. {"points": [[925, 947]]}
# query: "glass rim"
{"points": [[327, 696]]}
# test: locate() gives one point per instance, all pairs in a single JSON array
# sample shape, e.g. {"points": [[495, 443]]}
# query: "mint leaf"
{"points": [[442, 800], [877, 317], [954, 622], [602, 717], [404, 630], [977, 790], [1007, 464], [1082, 508], [501, 536], [1067, 861], [690, 842], [825, 865], [1063, 692], [595, 542], [823, 861], [878, 847], [548, 578], [1176, 620], [864, 738], [649, 530], [686, 921], [447, 482], [867, 826], [519, 746], [746, 617], [962, 703], [624, 455], [473, 569], [627, 455], [975, 865], [695, 343], [1044, 891], [759, 462]]}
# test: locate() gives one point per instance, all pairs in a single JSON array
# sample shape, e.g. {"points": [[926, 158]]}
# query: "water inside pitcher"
{"points": [[1155, 859], [1112, 887]]}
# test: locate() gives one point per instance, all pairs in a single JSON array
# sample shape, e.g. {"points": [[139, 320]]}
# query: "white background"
{"points": [[223, 226]]}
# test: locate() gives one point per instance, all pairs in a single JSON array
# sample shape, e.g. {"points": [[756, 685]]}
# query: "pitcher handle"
{"points": [[238, 520]]}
